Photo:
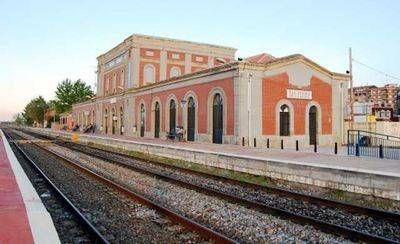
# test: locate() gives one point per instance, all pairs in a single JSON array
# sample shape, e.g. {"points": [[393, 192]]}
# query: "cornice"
{"points": [[168, 44]]}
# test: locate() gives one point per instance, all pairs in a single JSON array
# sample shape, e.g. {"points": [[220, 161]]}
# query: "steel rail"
{"points": [[322, 225], [92, 229], [173, 216], [288, 193], [302, 219]]}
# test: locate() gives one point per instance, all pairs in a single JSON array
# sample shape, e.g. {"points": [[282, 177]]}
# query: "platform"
{"points": [[371, 176], [23, 217]]}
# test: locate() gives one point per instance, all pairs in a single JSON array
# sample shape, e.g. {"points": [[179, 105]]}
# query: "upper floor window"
{"points": [[175, 71], [149, 73]]}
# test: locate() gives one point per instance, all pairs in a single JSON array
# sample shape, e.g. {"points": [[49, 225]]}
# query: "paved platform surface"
{"points": [[324, 158], [23, 217]]}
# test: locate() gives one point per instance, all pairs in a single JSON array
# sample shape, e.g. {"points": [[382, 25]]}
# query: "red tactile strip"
{"points": [[14, 223]]}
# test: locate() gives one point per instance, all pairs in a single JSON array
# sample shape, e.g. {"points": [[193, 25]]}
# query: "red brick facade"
{"points": [[274, 89], [201, 92]]}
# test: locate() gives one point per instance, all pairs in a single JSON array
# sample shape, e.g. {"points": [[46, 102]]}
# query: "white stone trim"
{"points": [[163, 65], [188, 63], [135, 66]]}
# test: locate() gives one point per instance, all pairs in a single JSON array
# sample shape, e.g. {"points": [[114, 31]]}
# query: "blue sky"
{"points": [[44, 42]]}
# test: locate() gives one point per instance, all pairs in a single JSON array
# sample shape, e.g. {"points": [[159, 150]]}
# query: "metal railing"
{"points": [[365, 143]]}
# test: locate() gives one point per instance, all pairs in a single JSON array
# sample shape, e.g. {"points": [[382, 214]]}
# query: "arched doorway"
{"points": [[218, 108], [191, 117], [121, 121], [113, 121], [157, 120], [172, 116], [312, 125], [106, 121], [284, 121], [142, 120]]}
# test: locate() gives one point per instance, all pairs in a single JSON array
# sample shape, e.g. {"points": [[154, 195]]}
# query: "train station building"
{"points": [[149, 85]]}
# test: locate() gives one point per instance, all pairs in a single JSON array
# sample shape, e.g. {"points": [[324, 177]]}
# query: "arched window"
{"points": [[106, 121], [157, 120], [284, 121], [113, 121], [191, 117], [121, 121], [175, 71], [172, 116], [218, 109], [312, 124], [149, 73]]}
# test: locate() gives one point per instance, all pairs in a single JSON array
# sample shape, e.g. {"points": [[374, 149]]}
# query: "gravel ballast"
{"points": [[233, 220], [375, 226], [118, 218]]}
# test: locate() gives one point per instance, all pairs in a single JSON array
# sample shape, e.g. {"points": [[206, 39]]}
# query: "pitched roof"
{"points": [[261, 58]]}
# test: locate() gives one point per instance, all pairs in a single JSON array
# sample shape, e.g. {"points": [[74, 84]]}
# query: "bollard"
{"points": [[268, 143], [243, 141], [335, 147], [315, 147], [297, 145], [281, 144], [357, 150], [380, 151], [255, 142]]}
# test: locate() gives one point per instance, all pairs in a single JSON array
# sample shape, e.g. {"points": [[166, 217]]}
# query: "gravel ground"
{"points": [[69, 227], [118, 218], [235, 221], [363, 223]]}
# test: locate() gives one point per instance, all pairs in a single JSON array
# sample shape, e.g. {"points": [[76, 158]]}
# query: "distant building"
{"points": [[382, 102]]}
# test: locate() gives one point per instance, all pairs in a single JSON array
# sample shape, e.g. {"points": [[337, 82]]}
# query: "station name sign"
{"points": [[299, 94]]}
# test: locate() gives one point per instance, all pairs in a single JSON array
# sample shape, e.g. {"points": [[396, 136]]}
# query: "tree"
{"points": [[69, 92], [19, 119], [34, 110]]}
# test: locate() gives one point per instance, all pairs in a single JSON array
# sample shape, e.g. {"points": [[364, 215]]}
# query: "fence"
{"points": [[365, 143]]}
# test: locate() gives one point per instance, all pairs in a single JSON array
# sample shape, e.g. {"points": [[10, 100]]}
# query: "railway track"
{"points": [[202, 230], [325, 226], [96, 235]]}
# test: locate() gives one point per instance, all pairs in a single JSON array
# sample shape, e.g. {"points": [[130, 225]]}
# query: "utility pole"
{"points": [[351, 88]]}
